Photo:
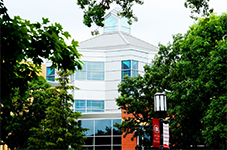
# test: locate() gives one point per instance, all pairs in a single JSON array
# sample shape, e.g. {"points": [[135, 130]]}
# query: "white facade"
{"points": [[112, 47], [107, 89], [107, 57]]}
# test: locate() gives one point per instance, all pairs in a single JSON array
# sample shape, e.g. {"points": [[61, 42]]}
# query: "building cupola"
{"points": [[113, 23]]}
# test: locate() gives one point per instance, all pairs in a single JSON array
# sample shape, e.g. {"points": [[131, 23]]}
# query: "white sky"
{"points": [[158, 20]]}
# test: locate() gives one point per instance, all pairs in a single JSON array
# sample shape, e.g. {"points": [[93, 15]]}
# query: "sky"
{"points": [[158, 20]]}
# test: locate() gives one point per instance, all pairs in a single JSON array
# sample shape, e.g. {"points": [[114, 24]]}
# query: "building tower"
{"points": [[107, 58]]}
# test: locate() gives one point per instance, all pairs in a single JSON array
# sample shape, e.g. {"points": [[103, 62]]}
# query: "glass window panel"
{"points": [[116, 140], [102, 147], [80, 104], [110, 21], [50, 78], [124, 22], [95, 75], [50, 72], [87, 148], [71, 78], [102, 140], [95, 65], [80, 75], [88, 124], [80, 110], [116, 131], [134, 73], [125, 29], [135, 64], [110, 29], [125, 72], [83, 66], [103, 127], [126, 64], [94, 104], [89, 141], [116, 147], [95, 110]]}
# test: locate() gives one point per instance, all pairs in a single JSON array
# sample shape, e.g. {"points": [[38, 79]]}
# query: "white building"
{"points": [[107, 58]]}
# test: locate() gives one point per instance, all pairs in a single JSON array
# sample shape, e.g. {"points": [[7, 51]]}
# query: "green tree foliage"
{"points": [[192, 71], [60, 128], [135, 99], [198, 7], [22, 41], [26, 114], [94, 10]]}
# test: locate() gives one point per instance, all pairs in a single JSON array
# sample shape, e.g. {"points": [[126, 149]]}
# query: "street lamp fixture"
{"points": [[160, 107], [160, 102]]}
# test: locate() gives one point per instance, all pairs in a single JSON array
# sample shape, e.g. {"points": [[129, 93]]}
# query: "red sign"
{"points": [[156, 133]]}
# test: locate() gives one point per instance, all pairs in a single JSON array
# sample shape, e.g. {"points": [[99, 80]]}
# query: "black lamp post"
{"points": [[160, 107]]}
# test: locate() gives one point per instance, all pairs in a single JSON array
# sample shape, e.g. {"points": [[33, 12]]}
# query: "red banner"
{"points": [[156, 133]]}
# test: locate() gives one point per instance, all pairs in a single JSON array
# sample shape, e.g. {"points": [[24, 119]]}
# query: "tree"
{"points": [[192, 71], [60, 128], [29, 112], [22, 41], [94, 11]]}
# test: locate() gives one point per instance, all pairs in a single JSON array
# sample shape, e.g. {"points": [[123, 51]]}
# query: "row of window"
{"points": [[111, 24], [102, 134], [101, 127], [130, 68], [95, 70], [91, 71], [87, 106]]}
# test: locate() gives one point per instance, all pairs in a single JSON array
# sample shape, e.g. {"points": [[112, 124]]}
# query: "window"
{"points": [[99, 66], [80, 106], [130, 68], [87, 106], [95, 75], [102, 134], [151, 64], [111, 24], [81, 74], [90, 125], [91, 71], [125, 27], [50, 74]]}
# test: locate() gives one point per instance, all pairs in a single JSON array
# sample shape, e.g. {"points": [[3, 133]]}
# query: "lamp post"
{"points": [[160, 107], [160, 104]]}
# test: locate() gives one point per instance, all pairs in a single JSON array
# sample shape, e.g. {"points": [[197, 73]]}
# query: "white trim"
{"points": [[106, 115]]}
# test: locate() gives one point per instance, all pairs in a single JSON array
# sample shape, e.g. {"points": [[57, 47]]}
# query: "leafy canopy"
{"points": [[22, 42], [94, 10], [192, 71], [60, 128]]}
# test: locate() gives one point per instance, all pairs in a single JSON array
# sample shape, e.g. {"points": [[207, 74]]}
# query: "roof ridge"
{"points": [[91, 38], [106, 33], [139, 39], [126, 41], [114, 39]]}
